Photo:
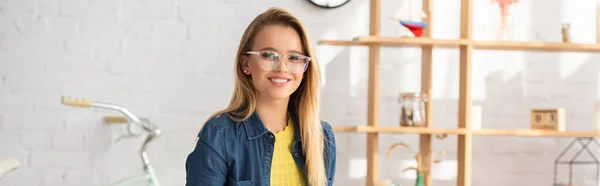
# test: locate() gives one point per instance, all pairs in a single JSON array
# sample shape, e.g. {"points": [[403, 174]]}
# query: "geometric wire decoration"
{"points": [[573, 160]]}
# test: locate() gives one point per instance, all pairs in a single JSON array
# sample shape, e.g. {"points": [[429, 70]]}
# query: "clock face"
{"points": [[329, 3]]}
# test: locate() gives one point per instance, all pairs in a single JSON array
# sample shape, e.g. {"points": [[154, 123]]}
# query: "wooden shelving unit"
{"points": [[466, 45], [455, 43], [397, 42], [476, 132]]}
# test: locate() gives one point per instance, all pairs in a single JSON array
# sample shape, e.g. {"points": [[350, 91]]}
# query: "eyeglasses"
{"points": [[269, 60]]}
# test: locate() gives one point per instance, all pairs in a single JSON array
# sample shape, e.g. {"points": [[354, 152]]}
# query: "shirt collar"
{"points": [[255, 127]]}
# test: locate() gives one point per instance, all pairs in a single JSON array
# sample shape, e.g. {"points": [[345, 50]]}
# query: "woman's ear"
{"points": [[245, 65]]}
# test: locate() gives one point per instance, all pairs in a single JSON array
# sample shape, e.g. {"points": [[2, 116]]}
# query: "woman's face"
{"points": [[271, 44]]}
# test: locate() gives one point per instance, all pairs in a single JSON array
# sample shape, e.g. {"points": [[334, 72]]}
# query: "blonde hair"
{"points": [[304, 100]]}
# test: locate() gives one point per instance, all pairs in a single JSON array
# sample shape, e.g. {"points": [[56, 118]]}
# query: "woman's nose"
{"points": [[282, 67]]}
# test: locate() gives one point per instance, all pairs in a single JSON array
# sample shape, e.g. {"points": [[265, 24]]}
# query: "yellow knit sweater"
{"points": [[284, 171]]}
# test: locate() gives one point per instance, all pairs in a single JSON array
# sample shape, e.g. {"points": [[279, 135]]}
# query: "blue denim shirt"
{"points": [[229, 153]]}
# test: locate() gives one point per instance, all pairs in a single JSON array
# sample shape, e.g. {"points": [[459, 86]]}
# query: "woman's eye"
{"points": [[269, 55], [294, 58]]}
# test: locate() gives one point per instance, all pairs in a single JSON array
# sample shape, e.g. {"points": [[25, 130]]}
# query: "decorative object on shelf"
{"points": [[412, 109], [585, 146], [329, 4], [414, 21], [441, 136], [566, 32], [504, 12], [548, 119], [420, 168]]}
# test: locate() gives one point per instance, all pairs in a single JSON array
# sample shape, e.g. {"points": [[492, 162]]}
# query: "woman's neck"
{"points": [[273, 113]]}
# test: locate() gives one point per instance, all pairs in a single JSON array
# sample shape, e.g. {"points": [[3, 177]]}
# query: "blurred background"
{"points": [[171, 61]]}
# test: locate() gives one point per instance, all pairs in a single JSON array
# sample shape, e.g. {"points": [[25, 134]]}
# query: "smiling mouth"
{"points": [[279, 80]]}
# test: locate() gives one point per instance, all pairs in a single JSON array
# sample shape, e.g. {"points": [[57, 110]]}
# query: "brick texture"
{"points": [[172, 61]]}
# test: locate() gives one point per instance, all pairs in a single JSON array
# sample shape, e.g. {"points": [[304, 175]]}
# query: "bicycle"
{"points": [[148, 175]]}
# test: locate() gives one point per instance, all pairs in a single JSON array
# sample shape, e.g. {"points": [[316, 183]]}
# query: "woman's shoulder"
{"points": [[326, 126], [220, 121], [328, 131], [217, 125]]}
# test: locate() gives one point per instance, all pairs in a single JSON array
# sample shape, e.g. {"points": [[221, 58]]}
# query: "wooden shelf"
{"points": [[396, 41], [454, 43], [369, 129], [481, 132], [532, 133], [536, 46]]}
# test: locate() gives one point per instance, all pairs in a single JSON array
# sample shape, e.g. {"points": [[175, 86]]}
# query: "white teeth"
{"points": [[279, 80]]}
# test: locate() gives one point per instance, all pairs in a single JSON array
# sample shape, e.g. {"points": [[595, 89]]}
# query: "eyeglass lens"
{"points": [[296, 63]]}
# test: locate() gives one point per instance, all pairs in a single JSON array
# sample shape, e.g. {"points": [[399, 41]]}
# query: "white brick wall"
{"points": [[158, 57]]}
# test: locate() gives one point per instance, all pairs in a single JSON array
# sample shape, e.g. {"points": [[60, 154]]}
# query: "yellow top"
{"points": [[284, 171]]}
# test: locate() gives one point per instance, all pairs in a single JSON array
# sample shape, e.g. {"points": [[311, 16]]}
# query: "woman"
{"points": [[270, 134]]}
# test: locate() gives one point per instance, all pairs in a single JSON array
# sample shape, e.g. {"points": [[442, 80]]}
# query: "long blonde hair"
{"points": [[305, 100]]}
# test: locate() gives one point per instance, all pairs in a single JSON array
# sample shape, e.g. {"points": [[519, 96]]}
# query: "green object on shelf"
{"points": [[419, 181]]}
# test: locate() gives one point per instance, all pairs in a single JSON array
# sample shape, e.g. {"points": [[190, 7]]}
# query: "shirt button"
{"points": [[296, 154]]}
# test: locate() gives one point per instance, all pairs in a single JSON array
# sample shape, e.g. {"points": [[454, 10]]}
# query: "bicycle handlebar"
{"points": [[129, 118], [78, 102]]}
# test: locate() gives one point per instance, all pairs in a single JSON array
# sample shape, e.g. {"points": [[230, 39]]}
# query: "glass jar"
{"points": [[412, 109]]}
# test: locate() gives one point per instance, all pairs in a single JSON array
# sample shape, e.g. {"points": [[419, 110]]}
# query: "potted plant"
{"points": [[420, 169]]}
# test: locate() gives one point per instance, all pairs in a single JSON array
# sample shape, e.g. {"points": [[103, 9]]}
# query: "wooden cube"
{"points": [[548, 119]]}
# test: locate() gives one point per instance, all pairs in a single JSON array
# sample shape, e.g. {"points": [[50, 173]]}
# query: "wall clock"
{"points": [[329, 4]]}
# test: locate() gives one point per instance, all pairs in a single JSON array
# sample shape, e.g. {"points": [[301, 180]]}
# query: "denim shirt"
{"points": [[229, 153]]}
